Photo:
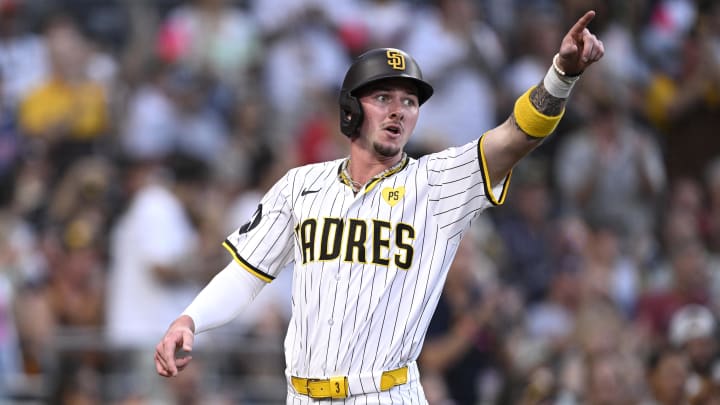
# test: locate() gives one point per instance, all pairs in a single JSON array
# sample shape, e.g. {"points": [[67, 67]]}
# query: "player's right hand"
{"points": [[580, 48], [172, 353]]}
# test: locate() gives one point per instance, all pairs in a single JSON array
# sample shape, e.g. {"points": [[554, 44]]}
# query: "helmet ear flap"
{"points": [[351, 114]]}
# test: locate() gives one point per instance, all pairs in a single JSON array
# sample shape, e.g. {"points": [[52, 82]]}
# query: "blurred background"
{"points": [[136, 134]]}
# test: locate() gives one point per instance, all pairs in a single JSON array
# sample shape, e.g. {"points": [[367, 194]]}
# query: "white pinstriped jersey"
{"points": [[369, 267]]}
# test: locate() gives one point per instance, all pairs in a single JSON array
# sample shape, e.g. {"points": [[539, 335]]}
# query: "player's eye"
{"points": [[383, 98], [410, 102]]}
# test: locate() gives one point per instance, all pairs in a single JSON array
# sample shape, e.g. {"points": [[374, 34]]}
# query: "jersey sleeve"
{"points": [[460, 187], [264, 244]]}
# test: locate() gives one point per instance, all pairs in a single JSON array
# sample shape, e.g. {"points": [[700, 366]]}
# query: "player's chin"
{"points": [[387, 149]]}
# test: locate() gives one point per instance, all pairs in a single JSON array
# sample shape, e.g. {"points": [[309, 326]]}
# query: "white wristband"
{"points": [[557, 83]]}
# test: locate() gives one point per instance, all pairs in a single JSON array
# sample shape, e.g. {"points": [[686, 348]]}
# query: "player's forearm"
{"points": [[224, 298], [535, 116], [504, 146]]}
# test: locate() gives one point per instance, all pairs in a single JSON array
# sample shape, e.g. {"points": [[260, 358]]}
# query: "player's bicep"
{"points": [[263, 244], [223, 298]]}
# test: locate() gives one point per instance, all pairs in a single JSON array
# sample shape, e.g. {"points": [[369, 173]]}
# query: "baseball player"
{"points": [[372, 235]]}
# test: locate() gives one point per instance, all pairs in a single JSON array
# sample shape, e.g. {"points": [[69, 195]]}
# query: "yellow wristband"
{"points": [[532, 121]]}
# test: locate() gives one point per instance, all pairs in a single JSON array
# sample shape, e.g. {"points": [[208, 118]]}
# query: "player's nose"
{"points": [[396, 110]]}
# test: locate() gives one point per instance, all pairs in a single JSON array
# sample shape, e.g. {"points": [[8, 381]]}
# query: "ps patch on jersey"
{"points": [[393, 195]]}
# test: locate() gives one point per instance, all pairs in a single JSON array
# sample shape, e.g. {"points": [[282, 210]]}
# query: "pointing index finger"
{"points": [[582, 23]]}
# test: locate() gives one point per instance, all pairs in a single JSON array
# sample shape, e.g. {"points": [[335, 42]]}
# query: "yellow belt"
{"points": [[337, 387]]}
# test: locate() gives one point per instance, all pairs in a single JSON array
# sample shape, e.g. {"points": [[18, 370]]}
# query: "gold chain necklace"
{"points": [[357, 186]]}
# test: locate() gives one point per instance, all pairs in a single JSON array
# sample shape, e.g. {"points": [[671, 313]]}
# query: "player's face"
{"points": [[391, 111]]}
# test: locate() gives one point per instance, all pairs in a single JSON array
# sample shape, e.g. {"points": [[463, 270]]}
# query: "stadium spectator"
{"points": [[689, 284], [681, 98], [666, 374], [462, 346], [461, 55], [611, 171], [711, 223], [693, 329], [527, 231], [151, 247], [67, 114], [23, 55]]}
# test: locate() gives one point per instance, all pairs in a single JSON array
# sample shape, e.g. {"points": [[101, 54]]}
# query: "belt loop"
{"points": [[392, 378], [338, 387], [300, 384]]}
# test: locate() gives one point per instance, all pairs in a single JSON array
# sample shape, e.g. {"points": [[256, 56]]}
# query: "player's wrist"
{"points": [[185, 321], [560, 71], [557, 82], [531, 121]]}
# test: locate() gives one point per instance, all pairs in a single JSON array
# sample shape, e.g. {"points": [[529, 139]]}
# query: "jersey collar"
{"points": [[345, 178]]}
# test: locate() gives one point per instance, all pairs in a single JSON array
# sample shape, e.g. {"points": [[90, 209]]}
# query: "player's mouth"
{"points": [[393, 130]]}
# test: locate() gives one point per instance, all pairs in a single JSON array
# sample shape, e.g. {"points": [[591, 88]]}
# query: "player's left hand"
{"points": [[580, 48]]}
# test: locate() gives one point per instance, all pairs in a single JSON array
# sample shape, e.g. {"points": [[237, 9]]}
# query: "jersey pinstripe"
{"points": [[368, 267]]}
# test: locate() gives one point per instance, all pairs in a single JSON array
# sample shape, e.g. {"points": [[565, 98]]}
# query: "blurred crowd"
{"points": [[135, 135]]}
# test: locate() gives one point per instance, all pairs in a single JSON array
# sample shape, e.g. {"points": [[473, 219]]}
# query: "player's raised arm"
{"points": [[538, 111]]}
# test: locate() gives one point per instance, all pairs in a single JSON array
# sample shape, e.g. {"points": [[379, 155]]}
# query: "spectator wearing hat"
{"points": [[693, 330], [689, 284]]}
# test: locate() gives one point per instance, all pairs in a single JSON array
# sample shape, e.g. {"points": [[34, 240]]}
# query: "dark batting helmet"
{"points": [[370, 67]]}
